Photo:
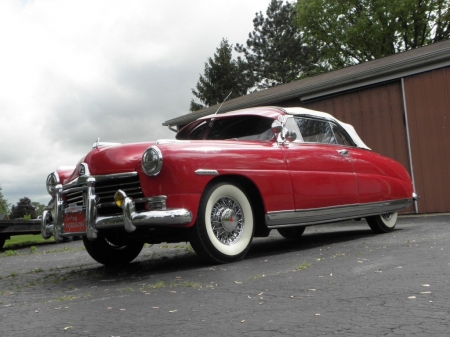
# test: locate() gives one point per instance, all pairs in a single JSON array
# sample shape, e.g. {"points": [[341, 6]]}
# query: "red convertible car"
{"points": [[225, 179]]}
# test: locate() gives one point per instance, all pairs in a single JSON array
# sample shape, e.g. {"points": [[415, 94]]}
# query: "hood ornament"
{"points": [[96, 144]]}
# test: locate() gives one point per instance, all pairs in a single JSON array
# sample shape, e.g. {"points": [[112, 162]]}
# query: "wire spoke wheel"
{"points": [[224, 229], [227, 220]]}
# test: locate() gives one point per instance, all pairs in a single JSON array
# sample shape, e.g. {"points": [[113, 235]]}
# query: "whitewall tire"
{"points": [[383, 223], [225, 223]]}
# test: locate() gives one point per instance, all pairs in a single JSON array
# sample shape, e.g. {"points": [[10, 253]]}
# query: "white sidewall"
{"points": [[391, 222], [235, 193]]}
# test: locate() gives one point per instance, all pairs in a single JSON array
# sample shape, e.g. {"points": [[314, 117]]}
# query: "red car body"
{"points": [[251, 160]]}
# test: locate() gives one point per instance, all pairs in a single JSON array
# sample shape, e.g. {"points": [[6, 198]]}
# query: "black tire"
{"points": [[291, 232], [110, 253], [2, 242], [225, 224], [65, 240], [383, 223]]}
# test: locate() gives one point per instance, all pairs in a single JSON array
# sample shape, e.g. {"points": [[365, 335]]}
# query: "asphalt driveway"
{"points": [[339, 280]]}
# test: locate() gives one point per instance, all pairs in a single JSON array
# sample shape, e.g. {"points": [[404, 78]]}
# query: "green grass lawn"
{"points": [[20, 241]]}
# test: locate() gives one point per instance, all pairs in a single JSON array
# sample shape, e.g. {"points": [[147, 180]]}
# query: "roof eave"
{"points": [[393, 67]]}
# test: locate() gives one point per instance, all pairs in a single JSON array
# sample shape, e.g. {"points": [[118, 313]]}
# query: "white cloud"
{"points": [[73, 70]]}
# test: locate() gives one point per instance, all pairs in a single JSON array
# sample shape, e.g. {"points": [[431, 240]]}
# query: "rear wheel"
{"points": [[225, 224], [383, 223], [291, 232], [110, 252]]}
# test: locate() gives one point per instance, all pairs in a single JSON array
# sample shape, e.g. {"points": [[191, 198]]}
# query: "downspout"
{"points": [[408, 140]]}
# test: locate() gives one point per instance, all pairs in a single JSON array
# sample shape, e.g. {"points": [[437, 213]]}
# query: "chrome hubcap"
{"points": [[387, 216], [227, 220]]}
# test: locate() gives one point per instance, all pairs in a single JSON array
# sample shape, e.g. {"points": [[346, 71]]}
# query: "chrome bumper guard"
{"points": [[129, 219]]}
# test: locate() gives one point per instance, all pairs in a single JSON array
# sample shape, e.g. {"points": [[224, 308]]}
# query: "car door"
{"points": [[320, 165]]}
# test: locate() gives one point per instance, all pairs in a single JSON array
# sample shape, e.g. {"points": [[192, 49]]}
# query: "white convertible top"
{"points": [[313, 113]]}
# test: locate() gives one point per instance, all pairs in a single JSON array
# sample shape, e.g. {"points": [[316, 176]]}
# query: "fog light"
{"points": [[119, 198]]}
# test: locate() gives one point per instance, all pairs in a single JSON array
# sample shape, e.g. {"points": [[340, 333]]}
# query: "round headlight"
{"points": [[52, 181], [152, 161]]}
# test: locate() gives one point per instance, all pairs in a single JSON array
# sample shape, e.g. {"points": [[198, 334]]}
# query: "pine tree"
{"points": [[275, 52], [222, 75]]}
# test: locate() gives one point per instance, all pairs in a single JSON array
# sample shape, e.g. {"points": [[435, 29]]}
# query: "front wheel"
{"points": [[383, 223], [110, 251], [225, 224]]}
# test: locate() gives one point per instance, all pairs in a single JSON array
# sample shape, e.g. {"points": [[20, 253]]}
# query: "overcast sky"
{"points": [[72, 71]]}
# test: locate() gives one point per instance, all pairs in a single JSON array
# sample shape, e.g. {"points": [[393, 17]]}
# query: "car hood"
{"points": [[115, 159], [118, 158], [122, 158]]}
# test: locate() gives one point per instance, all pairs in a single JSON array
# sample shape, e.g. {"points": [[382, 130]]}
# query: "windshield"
{"points": [[237, 128]]}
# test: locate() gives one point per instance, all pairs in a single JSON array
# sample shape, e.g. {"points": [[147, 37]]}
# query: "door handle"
{"points": [[343, 153]]}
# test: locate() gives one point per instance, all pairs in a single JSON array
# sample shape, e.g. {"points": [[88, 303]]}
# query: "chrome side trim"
{"points": [[338, 213], [202, 172]]}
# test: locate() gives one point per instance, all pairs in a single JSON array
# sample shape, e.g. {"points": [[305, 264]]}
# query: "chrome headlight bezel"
{"points": [[51, 183], [152, 161], [83, 170]]}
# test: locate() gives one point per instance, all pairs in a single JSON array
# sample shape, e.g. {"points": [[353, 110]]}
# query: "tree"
{"points": [[222, 75], [4, 206], [23, 208], [40, 208], [355, 31], [275, 51]]}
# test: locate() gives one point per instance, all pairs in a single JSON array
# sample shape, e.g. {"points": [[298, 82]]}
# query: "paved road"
{"points": [[337, 280]]}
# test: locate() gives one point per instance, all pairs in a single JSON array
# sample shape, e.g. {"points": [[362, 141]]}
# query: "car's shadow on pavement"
{"points": [[279, 245], [149, 266]]}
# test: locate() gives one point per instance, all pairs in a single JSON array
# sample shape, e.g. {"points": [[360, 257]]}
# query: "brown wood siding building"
{"points": [[428, 107], [399, 105], [379, 115]]}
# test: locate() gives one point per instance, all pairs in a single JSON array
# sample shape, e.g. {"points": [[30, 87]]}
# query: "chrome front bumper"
{"points": [[52, 218]]}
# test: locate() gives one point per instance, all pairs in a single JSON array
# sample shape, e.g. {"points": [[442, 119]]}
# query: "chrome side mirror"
{"points": [[277, 127], [285, 135]]}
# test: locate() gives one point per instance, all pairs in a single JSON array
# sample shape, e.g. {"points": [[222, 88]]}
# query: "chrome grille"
{"points": [[74, 198], [105, 188]]}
